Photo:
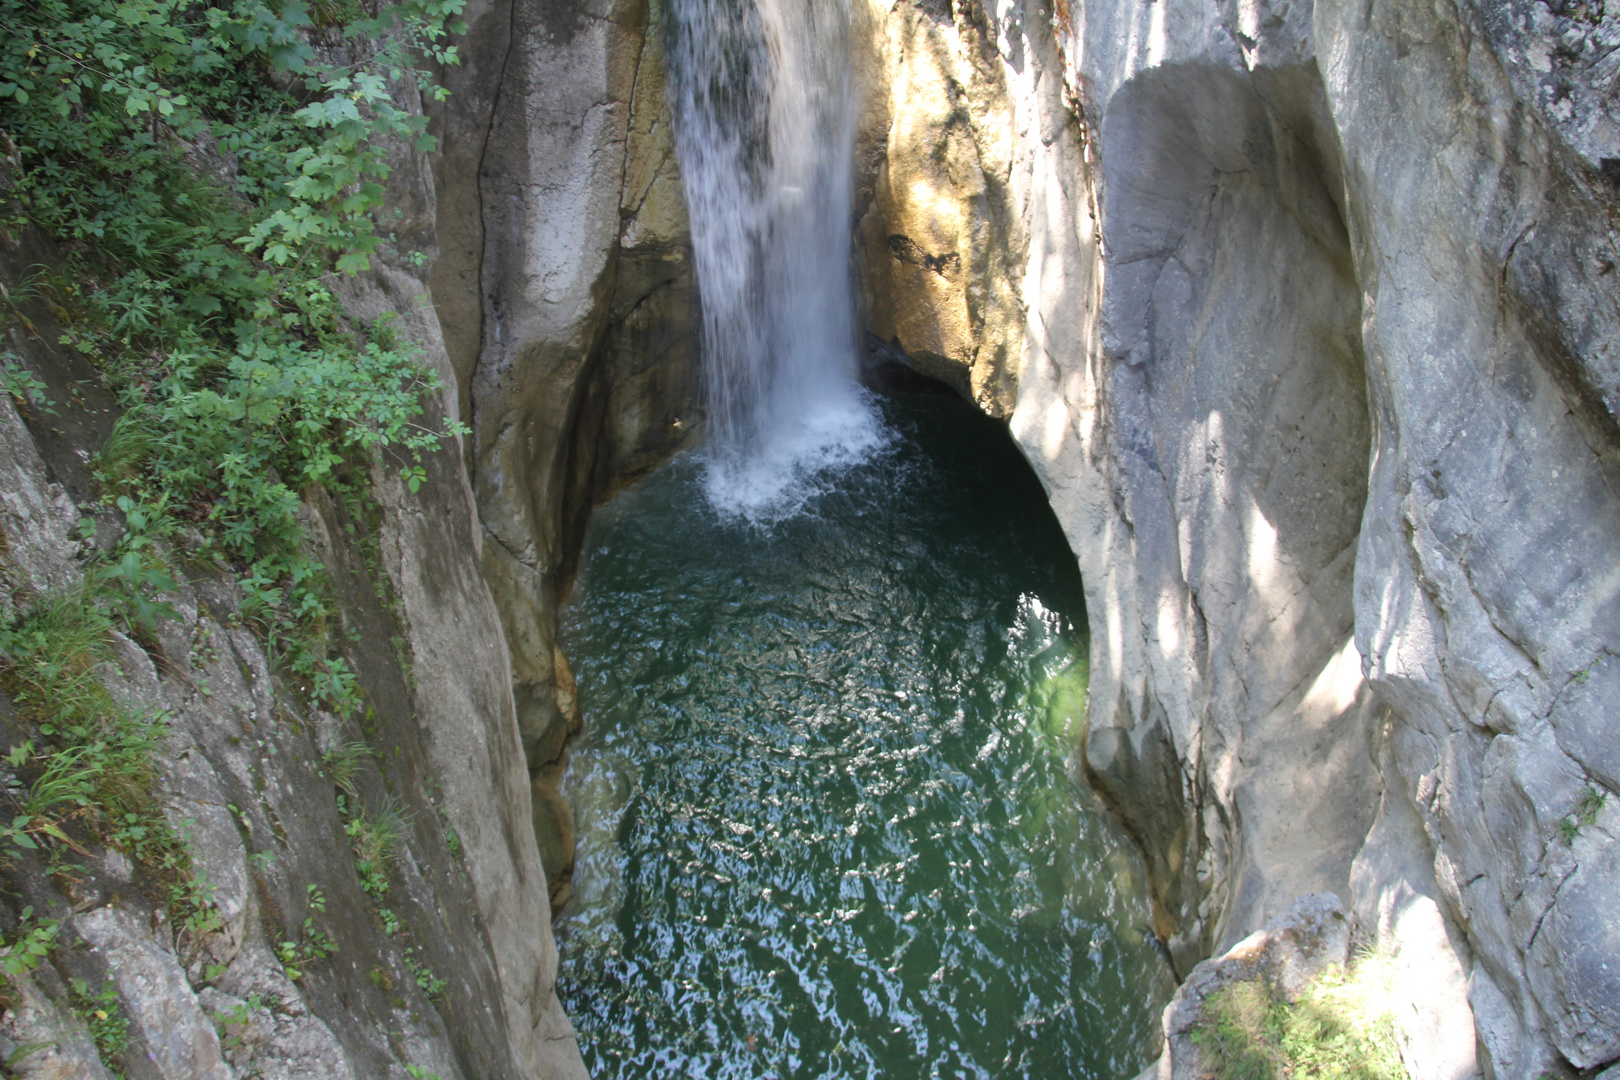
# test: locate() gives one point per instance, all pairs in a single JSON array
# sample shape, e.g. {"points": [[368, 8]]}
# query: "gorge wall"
{"points": [[566, 288], [1302, 313], [297, 968]]}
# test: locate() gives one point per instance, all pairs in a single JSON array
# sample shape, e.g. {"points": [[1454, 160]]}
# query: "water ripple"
{"points": [[828, 822]]}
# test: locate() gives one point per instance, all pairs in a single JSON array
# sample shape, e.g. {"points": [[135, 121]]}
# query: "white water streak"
{"points": [[764, 115]]}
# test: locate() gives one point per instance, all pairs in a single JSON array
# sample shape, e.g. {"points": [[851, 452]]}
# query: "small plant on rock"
{"points": [[21, 384], [99, 1011], [1586, 813], [295, 956], [1341, 1027], [375, 838], [429, 983], [34, 943], [342, 764]]}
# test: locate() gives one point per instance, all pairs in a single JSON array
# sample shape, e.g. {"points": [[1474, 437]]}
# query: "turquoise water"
{"points": [[828, 822]]}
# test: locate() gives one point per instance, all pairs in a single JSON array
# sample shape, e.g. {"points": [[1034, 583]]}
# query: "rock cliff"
{"points": [[295, 966], [555, 301], [1314, 354], [566, 290]]}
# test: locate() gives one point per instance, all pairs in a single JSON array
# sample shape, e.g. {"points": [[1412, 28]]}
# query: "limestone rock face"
{"points": [[1317, 365], [240, 774], [1484, 605], [939, 239], [569, 307]]}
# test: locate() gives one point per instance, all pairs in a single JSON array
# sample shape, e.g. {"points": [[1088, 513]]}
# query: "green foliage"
{"points": [[17, 381], [113, 91], [95, 766], [99, 1011], [313, 946], [1338, 1029], [93, 772], [233, 1022], [1586, 813], [136, 580], [429, 983], [51, 654], [34, 943], [209, 174]]}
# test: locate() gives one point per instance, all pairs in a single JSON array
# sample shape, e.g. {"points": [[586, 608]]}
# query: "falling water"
{"points": [[764, 118]]}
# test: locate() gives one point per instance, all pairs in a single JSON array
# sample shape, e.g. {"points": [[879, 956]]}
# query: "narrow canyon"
{"points": [[1276, 339]]}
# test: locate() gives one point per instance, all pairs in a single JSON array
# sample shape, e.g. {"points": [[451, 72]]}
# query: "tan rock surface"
{"points": [[940, 239]]}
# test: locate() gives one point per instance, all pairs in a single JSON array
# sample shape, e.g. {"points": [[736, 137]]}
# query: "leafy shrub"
{"points": [[208, 173]]}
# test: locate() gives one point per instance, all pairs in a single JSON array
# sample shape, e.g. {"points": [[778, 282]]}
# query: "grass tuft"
{"points": [[1342, 1027], [343, 763], [376, 837]]}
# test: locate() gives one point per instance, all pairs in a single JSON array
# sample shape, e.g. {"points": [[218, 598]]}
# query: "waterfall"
{"points": [[764, 119]]}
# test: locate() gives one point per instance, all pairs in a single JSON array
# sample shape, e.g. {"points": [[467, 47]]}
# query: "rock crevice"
{"points": [[567, 278]]}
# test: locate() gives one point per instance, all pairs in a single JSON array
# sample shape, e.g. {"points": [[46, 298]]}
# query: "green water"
{"points": [[829, 826]]}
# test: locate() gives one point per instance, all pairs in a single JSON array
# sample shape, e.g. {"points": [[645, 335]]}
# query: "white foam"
{"points": [[765, 131], [805, 453]]}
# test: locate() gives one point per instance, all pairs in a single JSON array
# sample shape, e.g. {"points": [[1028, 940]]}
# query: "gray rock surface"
{"points": [[569, 311], [1318, 370]]}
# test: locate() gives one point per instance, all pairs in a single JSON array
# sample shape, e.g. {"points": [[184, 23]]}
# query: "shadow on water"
{"points": [[828, 826]]}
